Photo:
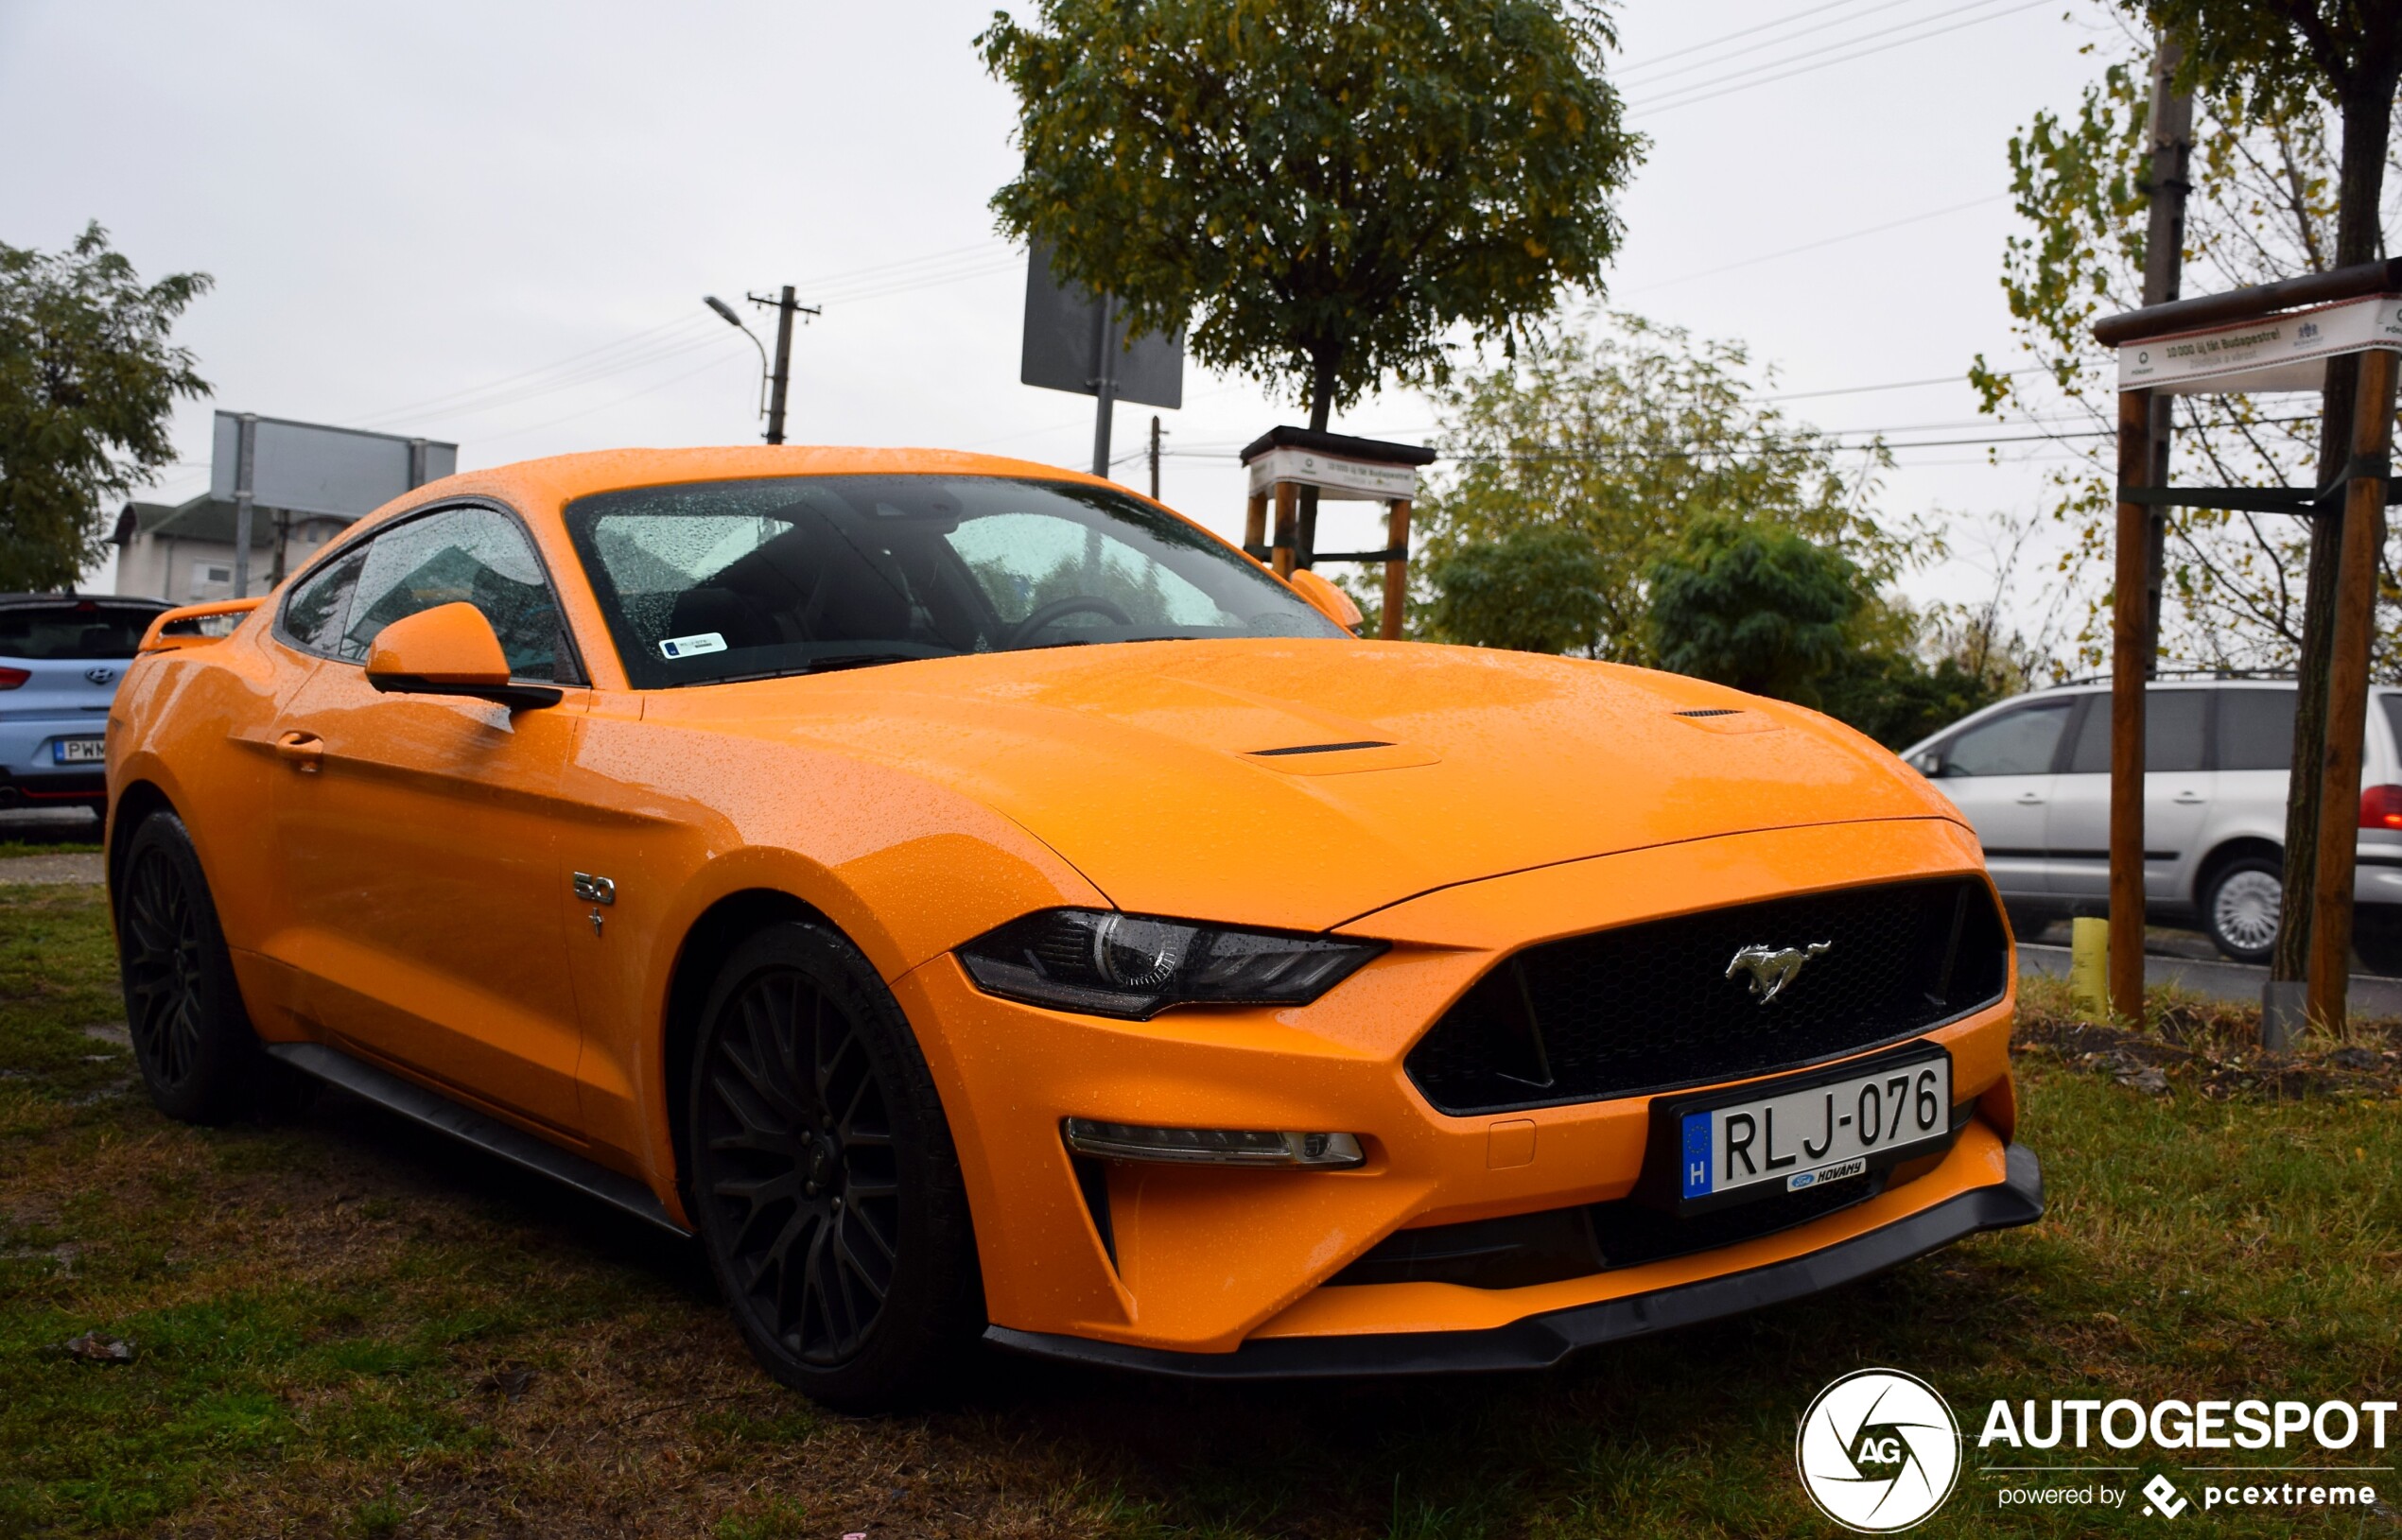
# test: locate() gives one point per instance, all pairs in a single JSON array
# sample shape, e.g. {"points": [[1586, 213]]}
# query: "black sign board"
{"points": [[1075, 340]]}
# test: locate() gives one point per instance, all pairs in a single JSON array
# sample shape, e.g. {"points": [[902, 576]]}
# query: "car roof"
{"points": [[562, 478]]}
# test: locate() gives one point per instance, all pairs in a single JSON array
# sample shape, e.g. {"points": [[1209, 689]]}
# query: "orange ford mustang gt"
{"points": [[973, 899]]}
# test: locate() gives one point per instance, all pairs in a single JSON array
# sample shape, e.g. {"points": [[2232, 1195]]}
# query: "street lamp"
{"points": [[725, 312]]}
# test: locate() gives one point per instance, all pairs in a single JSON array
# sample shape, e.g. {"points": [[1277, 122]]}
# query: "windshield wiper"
{"points": [[858, 660]]}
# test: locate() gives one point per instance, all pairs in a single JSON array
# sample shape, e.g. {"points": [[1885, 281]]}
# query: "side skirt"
{"points": [[489, 1134]]}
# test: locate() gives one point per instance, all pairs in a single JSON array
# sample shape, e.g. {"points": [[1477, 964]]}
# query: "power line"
{"points": [[681, 323], [1831, 240], [476, 403], [1894, 384], [1727, 85], [1769, 66], [588, 412], [1730, 37], [1768, 43]]}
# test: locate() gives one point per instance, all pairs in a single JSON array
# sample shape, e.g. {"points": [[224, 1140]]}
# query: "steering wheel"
{"points": [[1060, 610]]}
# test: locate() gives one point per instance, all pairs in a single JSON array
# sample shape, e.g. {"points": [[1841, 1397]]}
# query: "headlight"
{"points": [[1134, 965]]}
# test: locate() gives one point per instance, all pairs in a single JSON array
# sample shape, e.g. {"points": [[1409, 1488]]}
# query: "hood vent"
{"points": [[1321, 748]]}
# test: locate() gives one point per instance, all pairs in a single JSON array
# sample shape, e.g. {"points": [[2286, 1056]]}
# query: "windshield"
{"points": [[73, 629], [734, 579]]}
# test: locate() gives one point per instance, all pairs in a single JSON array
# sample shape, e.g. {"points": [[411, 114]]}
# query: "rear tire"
{"points": [[2239, 910], [183, 1011], [823, 1177]]}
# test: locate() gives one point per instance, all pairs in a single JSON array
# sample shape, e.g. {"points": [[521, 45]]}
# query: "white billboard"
{"points": [[310, 468]]}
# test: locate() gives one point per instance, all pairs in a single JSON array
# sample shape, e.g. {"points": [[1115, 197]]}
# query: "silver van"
{"points": [[2033, 776]]}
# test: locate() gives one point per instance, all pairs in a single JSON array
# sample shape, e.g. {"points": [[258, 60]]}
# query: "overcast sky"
{"points": [[493, 223]]}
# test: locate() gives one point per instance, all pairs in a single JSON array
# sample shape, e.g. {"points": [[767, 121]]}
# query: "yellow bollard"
{"points": [[2089, 967]]}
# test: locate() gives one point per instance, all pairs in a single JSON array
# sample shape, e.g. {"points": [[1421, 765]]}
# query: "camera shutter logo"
{"points": [[1878, 1451]]}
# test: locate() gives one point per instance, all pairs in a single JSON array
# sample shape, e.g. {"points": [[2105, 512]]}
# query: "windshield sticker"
{"points": [[692, 645]]}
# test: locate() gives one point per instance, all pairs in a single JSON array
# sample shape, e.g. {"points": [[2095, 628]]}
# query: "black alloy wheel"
{"points": [[183, 1011], [822, 1176]]}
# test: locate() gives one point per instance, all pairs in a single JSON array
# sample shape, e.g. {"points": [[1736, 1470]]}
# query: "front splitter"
{"points": [[1539, 1342]]}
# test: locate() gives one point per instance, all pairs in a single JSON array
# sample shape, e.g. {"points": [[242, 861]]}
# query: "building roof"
{"points": [[203, 518]]}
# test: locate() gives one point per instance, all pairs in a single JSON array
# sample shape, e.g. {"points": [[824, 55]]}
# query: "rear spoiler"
{"points": [[196, 624]]}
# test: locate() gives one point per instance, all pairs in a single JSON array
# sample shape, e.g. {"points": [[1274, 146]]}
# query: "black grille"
{"points": [[1649, 1007], [1559, 1243]]}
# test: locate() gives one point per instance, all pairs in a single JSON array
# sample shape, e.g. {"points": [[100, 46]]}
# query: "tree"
{"points": [[1624, 434], [2271, 79], [1753, 606], [2262, 208], [87, 379], [2348, 55], [1897, 698], [1535, 589], [1329, 186]]}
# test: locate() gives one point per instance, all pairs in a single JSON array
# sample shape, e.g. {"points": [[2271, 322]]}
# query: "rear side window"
{"points": [[2392, 699], [2020, 742], [2256, 729], [2172, 732], [73, 629], [314, 615]]}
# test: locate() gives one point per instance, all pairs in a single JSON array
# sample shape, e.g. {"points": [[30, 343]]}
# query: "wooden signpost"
{"points": [[1284, 460], [2271, 337]]}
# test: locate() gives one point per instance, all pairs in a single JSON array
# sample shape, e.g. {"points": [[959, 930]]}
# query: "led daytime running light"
{"points": [[1210, 1146]]}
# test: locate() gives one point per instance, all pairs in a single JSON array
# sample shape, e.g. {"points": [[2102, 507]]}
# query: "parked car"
{"points": [[976, 899], [60, 658], [2033, 775]]}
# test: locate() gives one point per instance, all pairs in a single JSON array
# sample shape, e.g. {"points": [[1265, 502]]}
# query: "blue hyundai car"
{"points": [[60, 658]]}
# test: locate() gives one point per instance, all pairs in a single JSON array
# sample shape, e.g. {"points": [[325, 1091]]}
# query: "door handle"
{"points": [[2030, 799], [303, 752], [2191, 799]]}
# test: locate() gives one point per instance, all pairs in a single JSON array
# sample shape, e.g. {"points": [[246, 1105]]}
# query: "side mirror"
{"points": [[1929, 764], [449, 650], [1326, 598]]}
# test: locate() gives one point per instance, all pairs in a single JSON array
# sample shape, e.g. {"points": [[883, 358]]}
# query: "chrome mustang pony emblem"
{"points": [[1772, 968]]}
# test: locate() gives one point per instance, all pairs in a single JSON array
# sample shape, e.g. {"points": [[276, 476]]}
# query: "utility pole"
{"points": [[786, 307], [1154, 456], [245, 472], [1105, 382], [2170, 132]]}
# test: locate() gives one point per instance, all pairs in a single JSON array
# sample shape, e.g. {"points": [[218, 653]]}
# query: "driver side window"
{"points": [[473, 555]]}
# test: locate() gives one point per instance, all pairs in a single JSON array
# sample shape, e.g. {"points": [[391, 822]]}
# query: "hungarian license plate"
{"points": [[1805, 1130], [79, 750]]}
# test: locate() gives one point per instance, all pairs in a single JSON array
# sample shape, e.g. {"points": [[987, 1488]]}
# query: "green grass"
{"points": [[348, 1328], [11, 849]]}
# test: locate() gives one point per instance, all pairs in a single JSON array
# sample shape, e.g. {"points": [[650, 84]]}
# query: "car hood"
{"points": [[1203, 778]]}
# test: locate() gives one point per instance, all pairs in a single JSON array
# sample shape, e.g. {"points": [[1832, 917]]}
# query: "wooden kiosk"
{"points": [[1283, 461], [2271, 337]]}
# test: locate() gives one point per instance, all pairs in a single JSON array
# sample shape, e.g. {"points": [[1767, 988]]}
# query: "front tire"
{"points": [[2240, 912], [823, 1177], [183, 1011]]}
